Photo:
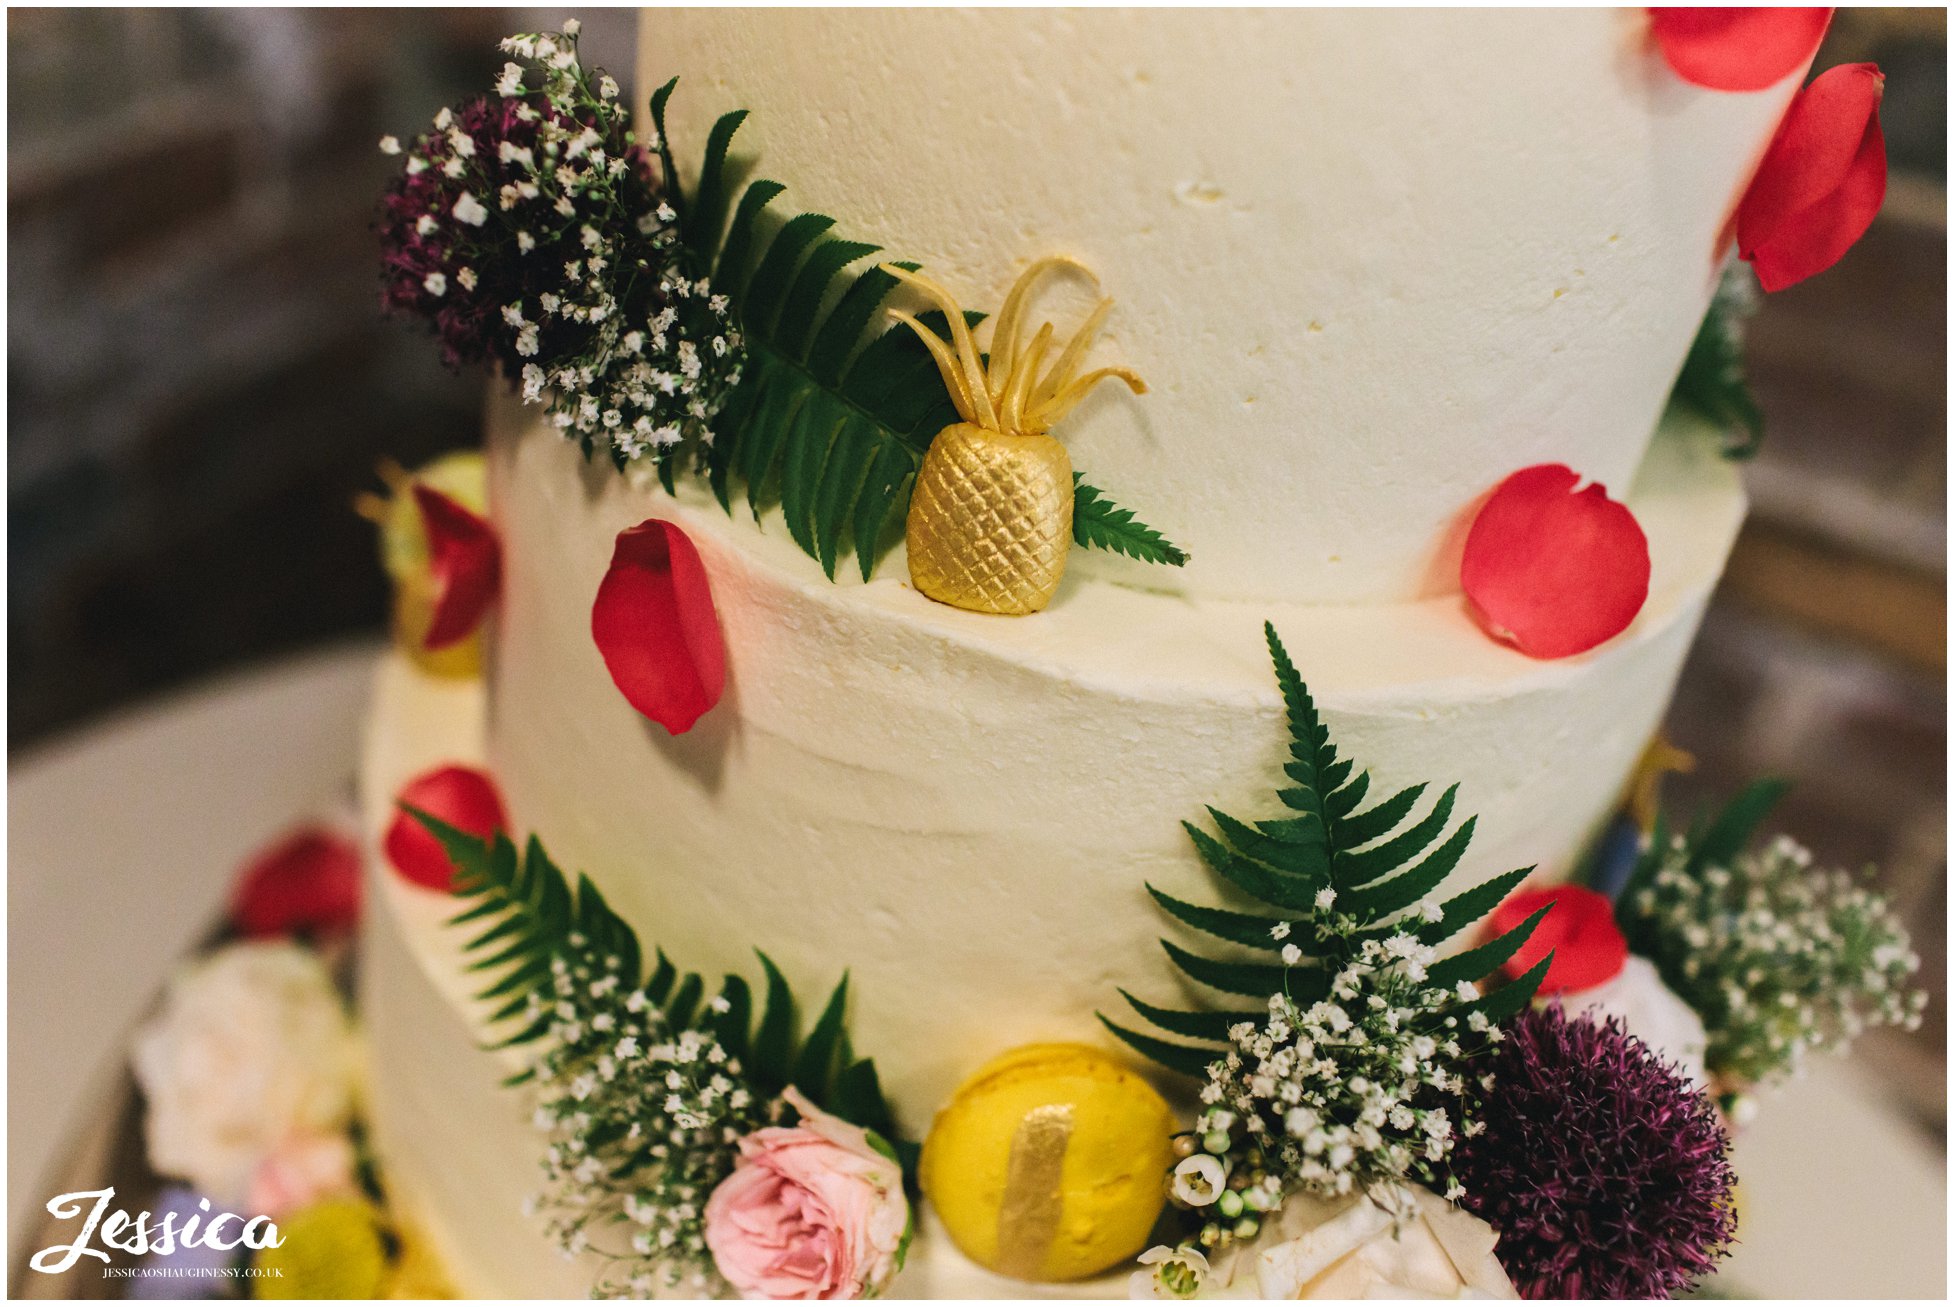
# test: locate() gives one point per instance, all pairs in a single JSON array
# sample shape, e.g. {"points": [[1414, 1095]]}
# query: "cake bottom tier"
{"points": [[458, 1150]]}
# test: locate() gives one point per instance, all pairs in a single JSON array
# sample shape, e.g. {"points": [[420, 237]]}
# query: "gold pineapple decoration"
{"points": [[990, 519]]}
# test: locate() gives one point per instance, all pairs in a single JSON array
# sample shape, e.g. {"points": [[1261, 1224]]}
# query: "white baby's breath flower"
{"points": [[470, 210], [390, 145], [435, 283]]}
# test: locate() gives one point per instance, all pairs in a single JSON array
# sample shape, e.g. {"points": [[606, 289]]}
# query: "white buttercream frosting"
{"points": [[964, 811], [1369, 260]]}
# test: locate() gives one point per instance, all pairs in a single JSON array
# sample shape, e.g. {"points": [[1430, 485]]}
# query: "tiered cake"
{"points": [[1370, 262]]}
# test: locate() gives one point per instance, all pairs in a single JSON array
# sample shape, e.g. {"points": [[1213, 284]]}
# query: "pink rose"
{"points": [[299, 1172], [812, 1211]]}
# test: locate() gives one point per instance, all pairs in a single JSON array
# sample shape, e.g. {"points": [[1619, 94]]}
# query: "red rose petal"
{"points": [[1821, 181], [1580, 932], [1552, 570], [655, 624], [307, 882], [1737, 49], [465, 562], [464, 797]]}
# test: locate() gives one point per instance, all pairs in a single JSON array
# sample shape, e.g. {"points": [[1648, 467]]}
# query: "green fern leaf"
{"points": [[1184, 1058], [1731, 831], [1478, 963], [1210, 1024], [839, 444], [1351, 870], [1714, 382], [1504, 1003], [1359, 829], [773, 1044], [1376, 902], [533, 915], [1230, 927], [1285, 864], [814, 1067], [1098, 524]]}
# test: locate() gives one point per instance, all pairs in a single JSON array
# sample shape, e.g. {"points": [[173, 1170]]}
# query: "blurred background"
{"points": [[200, 381]]}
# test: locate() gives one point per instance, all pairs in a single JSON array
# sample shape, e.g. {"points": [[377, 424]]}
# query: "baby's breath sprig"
{"points": [[1359, 1089], [530, 230], [643, 1122], [643, 1091], [1779, 957]]}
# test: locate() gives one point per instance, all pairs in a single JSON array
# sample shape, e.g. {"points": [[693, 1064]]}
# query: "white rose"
{"points": [[1359, 1248], [1651, 1012], [251, 1047]]}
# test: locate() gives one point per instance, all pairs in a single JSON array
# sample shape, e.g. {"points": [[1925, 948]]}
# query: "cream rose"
{"points": [[1406, 1242], [812, 1211], [252, 1048]]}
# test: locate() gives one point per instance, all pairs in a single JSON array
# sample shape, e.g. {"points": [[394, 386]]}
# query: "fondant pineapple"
{"points": [[990, 518]]}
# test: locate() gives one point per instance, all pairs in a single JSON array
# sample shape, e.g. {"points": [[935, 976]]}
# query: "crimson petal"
{"points": [[1580, 931], [307, 882], [464, 797], [1821, 182], [1552, 570], [1737, 49], [656, 626], [465, 563]]}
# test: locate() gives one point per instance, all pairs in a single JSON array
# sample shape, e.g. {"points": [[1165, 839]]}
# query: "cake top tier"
{"points": [[1369, 261]]}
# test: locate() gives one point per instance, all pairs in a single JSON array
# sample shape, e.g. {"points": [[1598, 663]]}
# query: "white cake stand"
{"points": [[123, 837]]}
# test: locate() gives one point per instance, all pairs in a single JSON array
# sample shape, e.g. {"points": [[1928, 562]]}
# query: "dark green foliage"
{"points": [[1713, 381], [1098, 524], [1332, 843], [531, 915], [832, 433]]}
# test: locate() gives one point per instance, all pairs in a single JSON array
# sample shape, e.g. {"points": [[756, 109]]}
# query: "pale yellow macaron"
{"points": [[1050, 1163]]}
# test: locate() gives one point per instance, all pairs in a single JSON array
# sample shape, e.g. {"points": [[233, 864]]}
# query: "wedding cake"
{"points": [[1369, 263]]}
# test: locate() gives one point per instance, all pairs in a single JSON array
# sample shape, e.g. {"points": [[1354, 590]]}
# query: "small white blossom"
{"points": [[390, 145], [470, 210]]}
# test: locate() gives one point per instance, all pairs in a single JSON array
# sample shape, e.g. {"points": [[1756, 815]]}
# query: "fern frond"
{"points": [[1714, 382], [830, 427], [1732, 829], [1188, 1059], [1338, 877], [537, 916], [1098, 524]]}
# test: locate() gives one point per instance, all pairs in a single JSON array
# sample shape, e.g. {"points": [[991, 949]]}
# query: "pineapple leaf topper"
{"points": [[830, 417], [1339, 878], [991, 519], [1007, 393]]}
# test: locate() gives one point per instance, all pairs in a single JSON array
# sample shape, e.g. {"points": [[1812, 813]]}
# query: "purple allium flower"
{"points": [[1605, 1174]]}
